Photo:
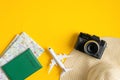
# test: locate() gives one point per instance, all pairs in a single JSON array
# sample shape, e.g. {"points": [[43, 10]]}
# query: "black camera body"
{"points": [[91, 45]]}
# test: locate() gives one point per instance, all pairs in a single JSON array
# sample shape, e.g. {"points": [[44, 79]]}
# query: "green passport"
{"points": [[22, 66]]}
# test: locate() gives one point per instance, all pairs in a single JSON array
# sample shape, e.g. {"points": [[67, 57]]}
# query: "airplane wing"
{"points": [[53, 62], [52, 65]]}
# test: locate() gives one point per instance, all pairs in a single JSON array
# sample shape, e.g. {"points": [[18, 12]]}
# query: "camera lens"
{"points": [[91, 47]]}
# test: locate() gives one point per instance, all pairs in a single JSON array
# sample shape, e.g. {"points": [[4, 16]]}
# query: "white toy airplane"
{"points": [[57, 60]]}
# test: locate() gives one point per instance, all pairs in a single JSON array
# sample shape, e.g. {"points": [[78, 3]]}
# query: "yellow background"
{"points": [[56, 23]]}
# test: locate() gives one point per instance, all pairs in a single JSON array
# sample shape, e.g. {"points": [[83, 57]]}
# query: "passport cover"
{"points": [[22, 66]]}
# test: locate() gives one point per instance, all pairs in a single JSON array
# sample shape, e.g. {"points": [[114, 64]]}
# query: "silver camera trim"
{"points": [[85, 49]]}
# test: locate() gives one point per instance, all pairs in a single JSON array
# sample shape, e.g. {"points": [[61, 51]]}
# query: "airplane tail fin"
{"points": [[64, 71]]}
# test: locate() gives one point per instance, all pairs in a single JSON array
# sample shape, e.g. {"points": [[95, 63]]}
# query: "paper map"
{"points": [[17, 46]]}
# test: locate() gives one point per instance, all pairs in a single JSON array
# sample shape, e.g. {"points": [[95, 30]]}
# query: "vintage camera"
{"points": [[91, 45]]}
